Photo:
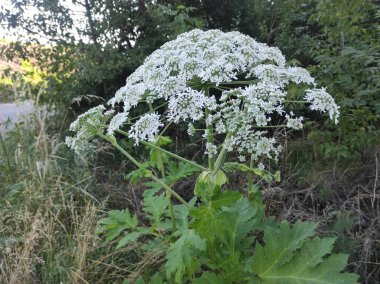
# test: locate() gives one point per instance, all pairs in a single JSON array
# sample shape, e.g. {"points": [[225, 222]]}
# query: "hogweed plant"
{"points": [[230, 91]]}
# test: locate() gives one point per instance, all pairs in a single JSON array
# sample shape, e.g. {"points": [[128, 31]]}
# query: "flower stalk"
{"points": [[139, 165]]}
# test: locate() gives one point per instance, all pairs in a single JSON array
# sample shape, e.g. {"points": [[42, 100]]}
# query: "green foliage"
{"points": [[157, 158], [139, 173], [344, 222], [154, 205], [338, 41], [209, 219], [93, 59], [221, 240], [116, 222], [289, 255], [181, 255]]}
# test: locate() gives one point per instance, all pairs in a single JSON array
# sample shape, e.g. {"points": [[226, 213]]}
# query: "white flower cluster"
{"points": [[195, 75], [322, 101], [293, 123], [145, 128], [86, 127]]}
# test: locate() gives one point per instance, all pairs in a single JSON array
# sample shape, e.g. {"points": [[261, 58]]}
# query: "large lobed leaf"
{"points": [[181, 258], [290, 256]]}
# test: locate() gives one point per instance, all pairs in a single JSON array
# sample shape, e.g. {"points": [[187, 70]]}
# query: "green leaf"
{"points": [[157, 279], [179, 171], [154, 205], [244, 168], [240, 220], [209, 221], [224, 198], [140, 280], [290, 256], [210, 278], [176, 171], [181, 214], [280, 245], [220, 178], [202, 188], [117, 222], [153, 185], [131, 237], [180, 256], [277, 176], [140, 173]]}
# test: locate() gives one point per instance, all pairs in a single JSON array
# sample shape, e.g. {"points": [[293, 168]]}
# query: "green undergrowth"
{"points": [[226, 240]]}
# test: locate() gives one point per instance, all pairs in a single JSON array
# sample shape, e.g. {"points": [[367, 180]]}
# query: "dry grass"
{"points": [[50, 208], [47, 222]]}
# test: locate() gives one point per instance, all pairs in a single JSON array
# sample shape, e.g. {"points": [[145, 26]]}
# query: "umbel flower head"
{"points": [[227, 81]]}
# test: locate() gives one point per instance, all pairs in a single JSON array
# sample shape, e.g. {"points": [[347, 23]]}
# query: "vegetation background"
{"points": [[52, 200]]}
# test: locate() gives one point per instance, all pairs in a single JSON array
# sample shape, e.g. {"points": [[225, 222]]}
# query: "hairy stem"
{"points": [[221, 156], [172, 217]]}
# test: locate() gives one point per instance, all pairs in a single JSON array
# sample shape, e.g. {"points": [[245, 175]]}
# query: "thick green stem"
{"points": [[221, 156], [210, 135], [169, 197], [139, 165], [151, 145]]}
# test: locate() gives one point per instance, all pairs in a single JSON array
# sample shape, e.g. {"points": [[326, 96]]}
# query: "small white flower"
{"points": [[191, 130], [241, 158], [293, 122], [220, 127], [322, 101], [211, 150], [116, 122], [86, 126], [189, 105], [261, 166], [145, 128]]}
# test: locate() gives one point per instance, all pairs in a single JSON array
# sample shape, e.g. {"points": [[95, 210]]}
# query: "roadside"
{"points": [[10, 113]]}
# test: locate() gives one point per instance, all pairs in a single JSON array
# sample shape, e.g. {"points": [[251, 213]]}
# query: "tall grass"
{"points": [[48, 219], [49, 215]]}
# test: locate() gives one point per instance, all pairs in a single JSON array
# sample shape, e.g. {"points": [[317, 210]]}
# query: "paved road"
{"points": [[14, 112]]}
